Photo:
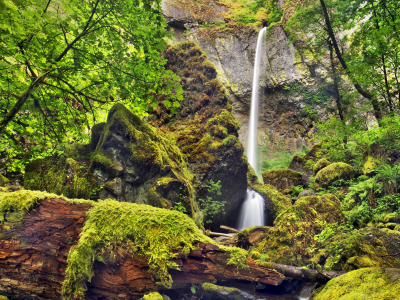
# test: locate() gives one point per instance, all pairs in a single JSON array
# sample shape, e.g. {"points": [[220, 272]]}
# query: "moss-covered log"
{"points": [[41, 234]]}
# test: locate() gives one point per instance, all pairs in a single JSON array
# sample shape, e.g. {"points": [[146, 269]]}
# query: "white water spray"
{"points": [[252, 212], [253, 121]]}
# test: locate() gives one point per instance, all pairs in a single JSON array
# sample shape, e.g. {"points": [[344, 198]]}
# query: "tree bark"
{"points": [[366, 94], [34, 250], [309, 275]]}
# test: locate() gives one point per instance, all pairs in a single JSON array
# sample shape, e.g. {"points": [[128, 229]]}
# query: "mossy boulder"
{"points": [[369, 164], [153, 296], [334, 172], [132, 162], [366, 283], [376, 248], [3, 181], [319, 165], [283, 179], [216, 292], [294, 229]]}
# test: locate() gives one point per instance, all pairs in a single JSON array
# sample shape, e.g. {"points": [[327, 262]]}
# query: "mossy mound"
{"points": [[283, 179], [295, 228], [369, 164], [334, 172], [152, 296], [319, 165], [205, 130], [367, 283], [3, 181]]}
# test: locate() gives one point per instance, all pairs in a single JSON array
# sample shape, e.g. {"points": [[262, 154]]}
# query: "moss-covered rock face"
{"points": [[283, 179], [295, 228], [367, 283], [334, 172], [132, 162], [205, 130], [319, 165]]}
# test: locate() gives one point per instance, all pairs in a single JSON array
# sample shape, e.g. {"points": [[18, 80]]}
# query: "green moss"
{"points": [[322, 163], [97, 130], [295, 228], [282, 178], [78, 151], [367, 283], [229, 141], [102, 160], [334, 172], [280, 203], [152, 296], [209, 287], [159, 235], [23, 201], [3, 181], [369, 165]]}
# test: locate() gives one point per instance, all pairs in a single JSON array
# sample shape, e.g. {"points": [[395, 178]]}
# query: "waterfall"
{"points": [[253, 120], [252, 211]]}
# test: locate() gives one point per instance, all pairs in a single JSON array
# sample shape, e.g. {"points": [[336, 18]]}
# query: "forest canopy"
{"points": [[64, 63]]}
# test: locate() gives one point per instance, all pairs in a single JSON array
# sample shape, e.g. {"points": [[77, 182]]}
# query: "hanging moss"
{"points": [[368, 283], [157, 234]]}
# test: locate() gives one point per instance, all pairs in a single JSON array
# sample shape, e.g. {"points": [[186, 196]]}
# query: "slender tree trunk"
{"points": [[335, 83], [366, 94]]}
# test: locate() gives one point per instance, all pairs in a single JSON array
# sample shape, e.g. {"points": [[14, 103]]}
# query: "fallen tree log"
{"points": [[34, 248], [309, 275]]}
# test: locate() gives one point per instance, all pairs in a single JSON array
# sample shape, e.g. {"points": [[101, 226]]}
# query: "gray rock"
{"points": [[306, 193]]}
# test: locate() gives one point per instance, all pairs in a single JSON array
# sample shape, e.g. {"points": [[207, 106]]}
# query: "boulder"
{"points": [[366, 283], [375, 248], [306, 193], [319, 165], [283, 179], [215, 292], [294, 229], [132, 162], [334, 172]]}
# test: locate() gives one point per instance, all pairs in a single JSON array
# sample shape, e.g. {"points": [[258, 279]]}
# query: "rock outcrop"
{"points": [[296, 89], [205, 131], [283, 179]]}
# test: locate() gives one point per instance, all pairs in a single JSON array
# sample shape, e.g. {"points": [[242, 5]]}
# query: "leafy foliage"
{"points": [[65, 62], [209, 207]]}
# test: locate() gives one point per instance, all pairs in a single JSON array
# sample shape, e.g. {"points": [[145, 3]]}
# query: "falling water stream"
{"points": [[252, 211], [253, 120]]}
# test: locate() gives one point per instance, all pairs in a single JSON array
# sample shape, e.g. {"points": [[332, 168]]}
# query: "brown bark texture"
{"points": [[34, 251]]}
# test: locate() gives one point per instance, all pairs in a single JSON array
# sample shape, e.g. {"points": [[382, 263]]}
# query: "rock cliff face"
{"points": [[295, 91]]}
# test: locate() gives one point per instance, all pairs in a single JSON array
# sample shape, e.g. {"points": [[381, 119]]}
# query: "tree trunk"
{"points": [[309, 275], [34, 250], [366, 94]]}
